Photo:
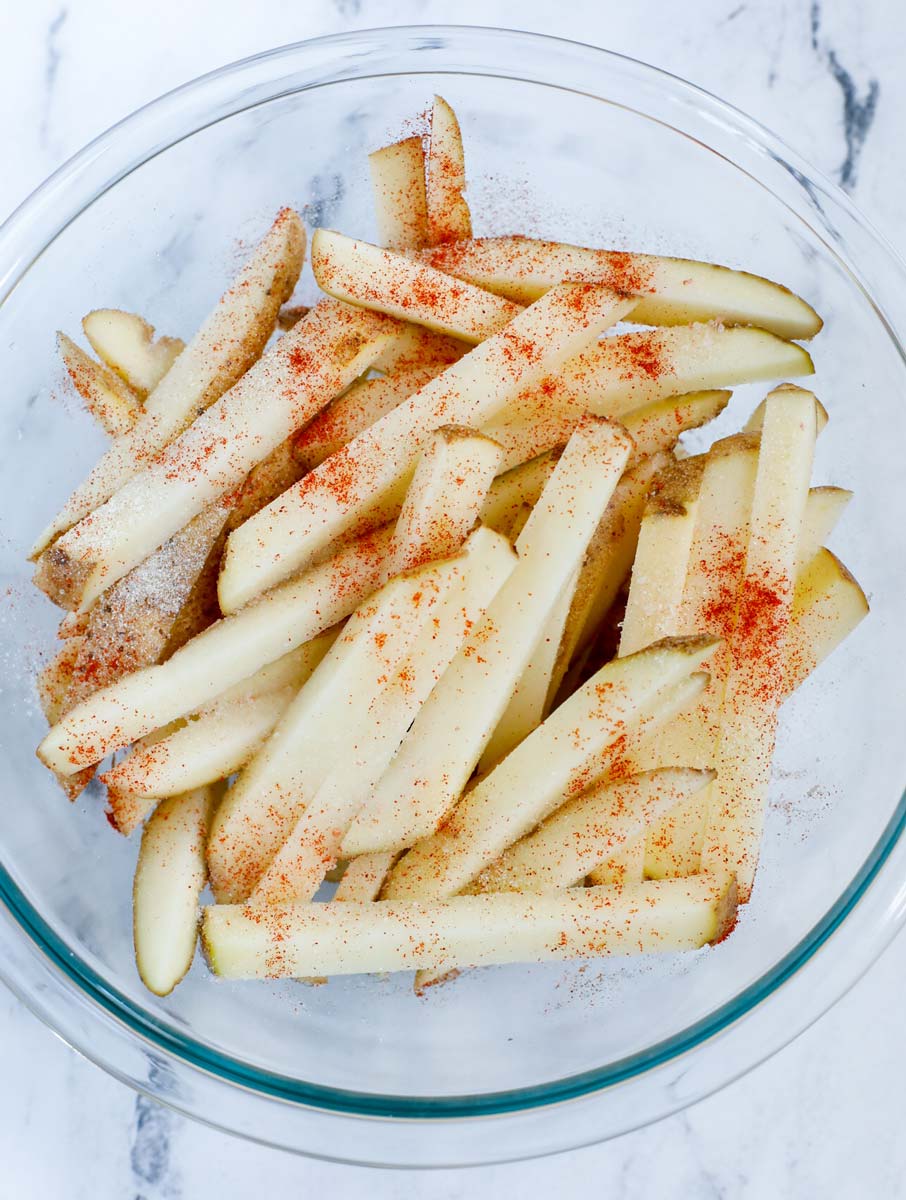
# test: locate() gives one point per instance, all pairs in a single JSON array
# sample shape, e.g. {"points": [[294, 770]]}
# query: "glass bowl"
{"points": [[562, 140]]}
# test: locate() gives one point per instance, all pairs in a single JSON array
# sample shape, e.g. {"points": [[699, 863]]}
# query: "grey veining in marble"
{"points": [[823, 1118]]}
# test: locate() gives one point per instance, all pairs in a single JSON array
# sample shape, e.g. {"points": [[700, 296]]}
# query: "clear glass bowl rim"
{"points": [[34, 224]]}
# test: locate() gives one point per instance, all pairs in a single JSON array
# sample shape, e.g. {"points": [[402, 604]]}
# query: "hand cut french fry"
{"points": [[109, 399], [226, 345], [125, 342], [218, 658], [823, 509], [671, 291], [447, 491], [313, 845], [261, 808], [756, 421], [301, 373], [214, 743], [528, 705], [398, 187], [364, 876], [515, 490], [55, 679], [828, 604], [289, 533], [752, 698], [626, 867], [549, 767], [606, 565], [454, 726], [589, 831], [403, 287], [466, 931], [448, 212], [169, 877]]}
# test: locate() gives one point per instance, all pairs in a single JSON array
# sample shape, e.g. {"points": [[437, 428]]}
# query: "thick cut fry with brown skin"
{"points": [[301, 373], [218, 658], [748, 718], [459, 718], [398, 187], [360, 273], [169, 877], [376, 464], [125, 342], [111, 401], [314, 734], [466, 931], [589, 831], [56, 677], [226, 345], [672, 291], [448, 212]]}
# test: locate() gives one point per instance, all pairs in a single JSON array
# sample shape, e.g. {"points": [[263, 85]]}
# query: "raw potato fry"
{"points": [[662, 557], [113, 403], [552, 764], [448, 212], [589, 831], [55, 679], [627, 867], [378, 279], [313, 845], [73, 625], [226, 345], [125, 342], [219, 657], [364, 876], [289, 533], [515, 490], [756, 421], [528, 704], [169, 877], [672, 291], [290, 315], [398, 187], [466, 931], [606, 565], [828, 604], [301, 373], [214, 743], [823, 509], [260, 810], [447, 491], [748, 718], [456, 723]]}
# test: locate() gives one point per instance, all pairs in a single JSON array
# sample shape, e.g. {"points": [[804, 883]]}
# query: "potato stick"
{"points": [[360, 406], [291, 531], [364, 876], [202, 752], [516, 489], [55, 679], [606, 565], [448, 212], [130, 625], [589, 831], [625, 868], [125, 342], [226, 345], [398, 187], [588, 729], [823, 509], [219, 657], [662, 557], [672, 291], [629, 370], [301, 373], [467, 931], [527, 707], [111, 401], [756, 421], [748, 719], [447, 491], [454, 726], [415, 346], [169, 877], [359, 273], [313, 845], [327, 716], [292, 670]]}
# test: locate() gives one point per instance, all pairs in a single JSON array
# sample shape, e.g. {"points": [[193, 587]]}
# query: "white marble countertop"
{"points": [[823, 1118]]}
